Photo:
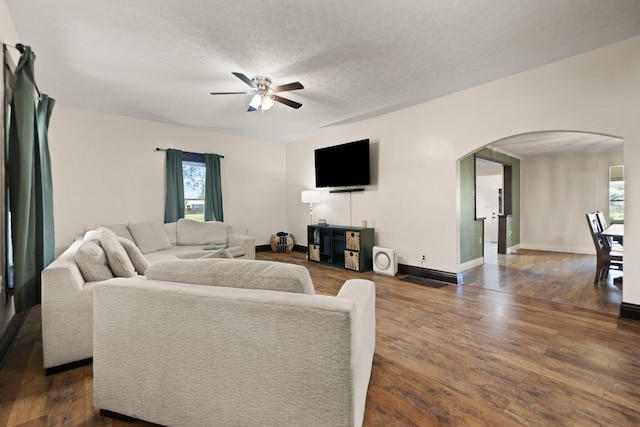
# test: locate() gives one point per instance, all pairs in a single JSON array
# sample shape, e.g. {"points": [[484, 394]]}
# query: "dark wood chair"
{"points": [[615, 244], [606, 257]]}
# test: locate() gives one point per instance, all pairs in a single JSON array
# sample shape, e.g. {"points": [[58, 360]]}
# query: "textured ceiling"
{"points": [[159, 59]]}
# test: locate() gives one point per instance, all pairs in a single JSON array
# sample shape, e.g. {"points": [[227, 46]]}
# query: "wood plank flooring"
{"points": [[461, 355]]}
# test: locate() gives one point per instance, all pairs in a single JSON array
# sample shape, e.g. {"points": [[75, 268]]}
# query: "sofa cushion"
{"points": [[119, 261], [234, 273], [220, 253], [201, 233], [140, 263], [149, 236], [121, 230], [172, 232], [92, 261]]}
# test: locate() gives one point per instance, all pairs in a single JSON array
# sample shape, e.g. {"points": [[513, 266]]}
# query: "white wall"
{"points": [[105, 171], [556, 194], [414, 205]]}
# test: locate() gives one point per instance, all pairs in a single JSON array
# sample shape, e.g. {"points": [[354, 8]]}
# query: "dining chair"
{"points": [[606, 257], [616, 245]]}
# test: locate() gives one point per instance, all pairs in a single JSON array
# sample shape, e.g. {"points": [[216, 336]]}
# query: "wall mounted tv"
{"points": [[345, 165]]}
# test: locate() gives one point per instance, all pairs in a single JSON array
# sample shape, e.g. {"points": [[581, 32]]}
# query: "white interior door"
{"points": [[497, 204]]}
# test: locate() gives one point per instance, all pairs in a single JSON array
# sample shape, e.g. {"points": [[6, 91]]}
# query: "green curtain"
{"points": [[30, 189], [44, 185], [213, 188], [174, 187]]}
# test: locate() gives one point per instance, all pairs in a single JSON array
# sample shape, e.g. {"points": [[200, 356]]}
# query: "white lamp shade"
{"points": [[310, 196]]}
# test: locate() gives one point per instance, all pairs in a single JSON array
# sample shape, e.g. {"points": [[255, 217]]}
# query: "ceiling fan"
{"points": [[263, 93]]}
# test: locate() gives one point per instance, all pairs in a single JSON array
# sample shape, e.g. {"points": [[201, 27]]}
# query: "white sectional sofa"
{"points": [[67, 288], [245, 343]]}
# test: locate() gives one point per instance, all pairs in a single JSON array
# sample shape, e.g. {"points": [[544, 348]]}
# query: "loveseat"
{"points": [[244, 343], [68, 282]]}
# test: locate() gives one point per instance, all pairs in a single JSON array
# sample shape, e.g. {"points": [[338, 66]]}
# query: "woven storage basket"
{"points": [[282, 243]]}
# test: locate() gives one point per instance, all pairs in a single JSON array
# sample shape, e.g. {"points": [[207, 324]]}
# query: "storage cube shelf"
{"points": [[340, 246]]}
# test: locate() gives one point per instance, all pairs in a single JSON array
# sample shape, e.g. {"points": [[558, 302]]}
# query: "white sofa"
{"points": [[67, 291], [183, 354]]}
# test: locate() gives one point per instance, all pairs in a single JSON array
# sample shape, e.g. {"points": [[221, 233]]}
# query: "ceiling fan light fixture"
{"points": [[256, 101], [264, 95], [267, 102]]}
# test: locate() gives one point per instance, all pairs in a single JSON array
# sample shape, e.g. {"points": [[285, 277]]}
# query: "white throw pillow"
{"points": [[140, 263], [149, 236], [92, 261], [172, 231], [192, 233], [121, 230], [119, 261]]}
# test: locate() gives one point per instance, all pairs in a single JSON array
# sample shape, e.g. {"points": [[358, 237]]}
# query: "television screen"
{"points": [[343, 165]]}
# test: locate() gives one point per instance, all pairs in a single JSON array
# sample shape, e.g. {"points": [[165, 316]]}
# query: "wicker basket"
{"points": [[352, 260], [314, 252], [353, 240], [282, 244]]}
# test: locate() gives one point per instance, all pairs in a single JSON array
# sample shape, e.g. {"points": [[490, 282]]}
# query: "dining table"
{"points": [[616, 231]]}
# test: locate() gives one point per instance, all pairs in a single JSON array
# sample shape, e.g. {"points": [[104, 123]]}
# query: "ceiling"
{"points": [[160, 59]]}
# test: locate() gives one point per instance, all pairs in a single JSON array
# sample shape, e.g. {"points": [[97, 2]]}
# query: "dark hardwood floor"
{"points": [[565, 278], [489, 352]]}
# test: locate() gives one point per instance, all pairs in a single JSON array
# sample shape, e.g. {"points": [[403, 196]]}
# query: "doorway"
{"points": [[489, 177]]}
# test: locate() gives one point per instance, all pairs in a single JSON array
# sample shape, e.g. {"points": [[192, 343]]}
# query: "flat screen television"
{"points": [[345, 165]]}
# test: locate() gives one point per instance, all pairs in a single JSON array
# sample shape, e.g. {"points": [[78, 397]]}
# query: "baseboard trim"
{"points": [[117, 416], [629, 311], [67, 366], [299, 248], [429, 273], [9, 335], [263, 248]]}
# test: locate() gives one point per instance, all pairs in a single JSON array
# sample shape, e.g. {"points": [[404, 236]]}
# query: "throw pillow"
{"points": [[92, 261], [171, 229], [191, 233], [234, 273], [149, 236], [119, 261], [138, 260], [121, 230], [220, 253]]}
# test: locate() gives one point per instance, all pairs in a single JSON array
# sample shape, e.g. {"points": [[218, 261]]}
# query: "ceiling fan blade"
{"points": [[288, 87], [285, 101], [245, 79], [230, 93]]}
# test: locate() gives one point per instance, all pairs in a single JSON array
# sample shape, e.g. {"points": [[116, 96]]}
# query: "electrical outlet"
{"points": [[423, 261]]}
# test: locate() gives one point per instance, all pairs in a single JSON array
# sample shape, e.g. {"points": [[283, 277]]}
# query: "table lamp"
{"points": [[311, 197]]}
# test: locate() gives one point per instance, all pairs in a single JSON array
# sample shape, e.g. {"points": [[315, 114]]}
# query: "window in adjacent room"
{"points": [[616, 194], [194, 190]]}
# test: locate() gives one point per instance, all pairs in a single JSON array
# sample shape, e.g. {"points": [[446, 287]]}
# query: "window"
{"points": [[616, 194], [193, 173]]}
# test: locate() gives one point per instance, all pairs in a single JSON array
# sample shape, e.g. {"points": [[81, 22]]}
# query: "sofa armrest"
{"points": [[363, 294], [67, 311], [248, 242]]}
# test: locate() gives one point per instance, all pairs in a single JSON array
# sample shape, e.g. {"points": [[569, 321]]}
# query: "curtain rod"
{"points": [[19, 47], [186, 152]]}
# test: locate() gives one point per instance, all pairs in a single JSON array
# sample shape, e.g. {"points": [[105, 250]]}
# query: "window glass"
{"points": [[194, 179], [616, 194]]}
